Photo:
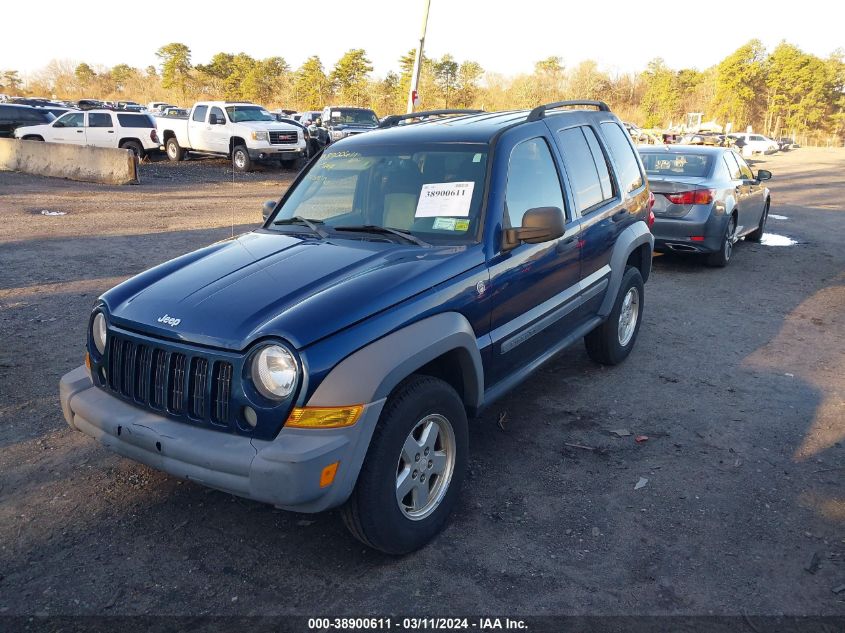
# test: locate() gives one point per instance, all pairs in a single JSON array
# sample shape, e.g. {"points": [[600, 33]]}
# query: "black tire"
{"points": [[722, 257], [757, 234], [136, 148], [240, 158], [603, 343], [175, 153], [373, 512]]}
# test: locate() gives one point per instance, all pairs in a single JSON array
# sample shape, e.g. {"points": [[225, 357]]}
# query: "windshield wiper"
{"points": [[311, 224], [375, 228]]}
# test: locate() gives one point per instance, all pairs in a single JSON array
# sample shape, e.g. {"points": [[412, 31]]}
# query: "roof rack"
{"points": [[540, 111], [394, 119]]}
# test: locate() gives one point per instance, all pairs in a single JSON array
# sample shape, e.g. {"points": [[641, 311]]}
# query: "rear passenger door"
{"points": [[100, 130], [534, 286]]}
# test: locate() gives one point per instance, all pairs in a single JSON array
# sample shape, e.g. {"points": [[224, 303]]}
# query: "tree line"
{"points": [[782, 92]]}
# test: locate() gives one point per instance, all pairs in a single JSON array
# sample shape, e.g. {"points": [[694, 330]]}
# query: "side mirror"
{"points": [[215, 120], [59, 124], [267, 209], [764, 174], [541, 224]]}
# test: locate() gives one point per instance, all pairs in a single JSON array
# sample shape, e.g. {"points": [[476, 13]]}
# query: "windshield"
{"points": [[676, 164], [239, 114], [354, 117], [432, 191]]}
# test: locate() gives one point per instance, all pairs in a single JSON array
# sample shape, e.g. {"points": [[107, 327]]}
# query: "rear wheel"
{"points": [[612, 341], [135, 147], [174, 152], [757, 234], [241, 159], [412, 475], [722, 257]]}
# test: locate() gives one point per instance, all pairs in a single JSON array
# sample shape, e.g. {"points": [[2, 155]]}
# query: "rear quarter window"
{"points": [[135, 120], [627, 166]]}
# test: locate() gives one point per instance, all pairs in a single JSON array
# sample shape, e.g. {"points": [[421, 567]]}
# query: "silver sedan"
{"points": [[706, 199]]}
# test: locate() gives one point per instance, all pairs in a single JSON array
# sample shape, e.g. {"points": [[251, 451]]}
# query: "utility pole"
{"points": [[415, 77]]}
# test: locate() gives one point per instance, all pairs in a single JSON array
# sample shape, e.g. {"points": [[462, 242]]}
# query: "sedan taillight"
{"points": [[696, 196]]}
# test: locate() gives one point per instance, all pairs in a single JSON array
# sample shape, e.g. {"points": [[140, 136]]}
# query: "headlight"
{"points": [[98, 332], [260, 136], [274, 372]]}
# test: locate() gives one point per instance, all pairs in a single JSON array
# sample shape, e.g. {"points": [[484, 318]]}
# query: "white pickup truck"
{"points": [[243, 131]]}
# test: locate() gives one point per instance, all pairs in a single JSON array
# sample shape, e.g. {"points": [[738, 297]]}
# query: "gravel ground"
{"points": [[737, 380]]}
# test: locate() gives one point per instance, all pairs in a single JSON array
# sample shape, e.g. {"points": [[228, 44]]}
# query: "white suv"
{"points": [[101, 128], [756, 144]]}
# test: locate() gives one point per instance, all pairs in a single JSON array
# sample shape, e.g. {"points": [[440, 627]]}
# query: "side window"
{"points": [[532, 180], [733, 166], [99, 119], [618, 141], [582, 168], [199, 113], [72, 119], [217, 112], [747, 174], [756, 137]]}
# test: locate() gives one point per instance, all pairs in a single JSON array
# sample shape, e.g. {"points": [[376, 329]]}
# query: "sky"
{"points": [[504, 37]]}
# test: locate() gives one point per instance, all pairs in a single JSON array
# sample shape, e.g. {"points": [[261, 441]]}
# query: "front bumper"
{"points": [[276, 152], [284, 472]]}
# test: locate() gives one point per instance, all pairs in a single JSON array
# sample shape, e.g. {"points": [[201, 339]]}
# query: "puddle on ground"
{"points": [[773, 239], [774, 216]]}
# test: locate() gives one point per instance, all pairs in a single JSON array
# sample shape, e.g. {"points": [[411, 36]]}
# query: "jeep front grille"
{"points": [[169, 381]]}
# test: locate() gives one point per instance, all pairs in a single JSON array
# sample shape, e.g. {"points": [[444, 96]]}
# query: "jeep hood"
{"points": [[272, 284]]}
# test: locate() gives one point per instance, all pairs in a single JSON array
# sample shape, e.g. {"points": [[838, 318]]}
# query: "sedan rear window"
{"points": [[676, 164], [135, 120]]}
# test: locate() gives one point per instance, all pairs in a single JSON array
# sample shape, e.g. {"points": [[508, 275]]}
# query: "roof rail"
{"points": [[540, 111], [394, 119]]}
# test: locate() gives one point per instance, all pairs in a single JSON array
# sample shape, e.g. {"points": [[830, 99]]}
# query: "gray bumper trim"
{"points": [[284, 472]]}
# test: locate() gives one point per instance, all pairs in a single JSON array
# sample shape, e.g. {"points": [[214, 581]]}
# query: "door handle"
{"points": [[619, 215], [562, 245], [111, 131], [79, 131]]}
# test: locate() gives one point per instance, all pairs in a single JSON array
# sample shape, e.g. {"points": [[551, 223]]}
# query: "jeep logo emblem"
{"points": [[169, 320]]}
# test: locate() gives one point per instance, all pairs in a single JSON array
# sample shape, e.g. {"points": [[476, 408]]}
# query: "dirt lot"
{"points": [[737, 380]]}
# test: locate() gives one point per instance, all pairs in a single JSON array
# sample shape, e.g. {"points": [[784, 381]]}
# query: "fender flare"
{"points": [[373, 371], [629, 240]]}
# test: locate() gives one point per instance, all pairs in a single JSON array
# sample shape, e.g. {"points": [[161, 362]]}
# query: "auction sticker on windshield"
{"points": [[445, 199]]}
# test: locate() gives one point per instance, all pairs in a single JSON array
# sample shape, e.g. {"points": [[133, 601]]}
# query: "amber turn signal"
{"points": [[327, 476], [324, 417], [88, 361]]}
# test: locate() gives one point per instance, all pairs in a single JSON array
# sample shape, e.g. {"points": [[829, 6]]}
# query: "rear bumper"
{"points": [[284, 472], [674, 234]]}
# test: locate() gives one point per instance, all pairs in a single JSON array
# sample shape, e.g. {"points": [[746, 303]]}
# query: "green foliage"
{"points": [[350, 75], [739, 85], [175, 66], [783, 92], [311, 86], [11, 82]]}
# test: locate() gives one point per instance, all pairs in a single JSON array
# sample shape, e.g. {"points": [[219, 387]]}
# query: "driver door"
{"points": [[218, 135], [69, 128]]}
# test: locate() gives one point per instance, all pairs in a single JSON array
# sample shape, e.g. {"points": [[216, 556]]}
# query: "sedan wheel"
{"points": [[722, 257]]}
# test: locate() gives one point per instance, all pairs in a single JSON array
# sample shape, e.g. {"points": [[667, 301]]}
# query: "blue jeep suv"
{"points": [[408, 278]]}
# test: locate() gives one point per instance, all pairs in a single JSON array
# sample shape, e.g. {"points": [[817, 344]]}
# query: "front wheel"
{"points": [[412, 475], [612, 341], [241, 159]]}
